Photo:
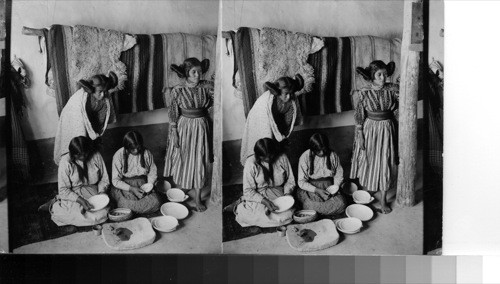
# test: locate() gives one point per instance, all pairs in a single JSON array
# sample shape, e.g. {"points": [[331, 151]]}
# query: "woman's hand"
{"points": [[270, 205], [84, 203], [175, 137], [322, 192], [361, 140], [137, 192]]}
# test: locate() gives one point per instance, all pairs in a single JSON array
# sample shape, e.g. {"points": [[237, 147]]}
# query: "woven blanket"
{"points": [[334, 68]]}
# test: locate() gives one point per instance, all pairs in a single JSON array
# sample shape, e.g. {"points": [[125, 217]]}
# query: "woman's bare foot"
{"points": [[47, 205], [200, 207]]}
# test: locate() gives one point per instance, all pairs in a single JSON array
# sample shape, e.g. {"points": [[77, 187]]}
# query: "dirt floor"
{"points": [[397, 233], [200, 233]]}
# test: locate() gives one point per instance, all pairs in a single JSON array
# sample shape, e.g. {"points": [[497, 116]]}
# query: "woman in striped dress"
{"points": [[188, 149], [374, 159]]}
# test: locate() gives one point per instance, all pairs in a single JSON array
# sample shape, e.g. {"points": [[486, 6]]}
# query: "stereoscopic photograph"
{"points": [[332, 118], [112, 133]]}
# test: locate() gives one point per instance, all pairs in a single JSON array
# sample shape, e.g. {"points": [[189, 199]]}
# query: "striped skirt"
{"points": [[188, 164], [376, 166]]}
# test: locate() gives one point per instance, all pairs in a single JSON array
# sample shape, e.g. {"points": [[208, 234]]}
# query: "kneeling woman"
{"points": [[82, 174], [133, 166], [319, 168], [267, 175]]}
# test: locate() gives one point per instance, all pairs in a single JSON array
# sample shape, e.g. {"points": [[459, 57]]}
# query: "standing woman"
{"points": [[319, 168], [267, 175], [273, 115], [134, 166], [187, 159], [87, 113], [82, 174], [374, 159]]}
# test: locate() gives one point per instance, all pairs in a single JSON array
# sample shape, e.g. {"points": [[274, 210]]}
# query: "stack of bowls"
{"points": [[349, 225], [165, 224]]}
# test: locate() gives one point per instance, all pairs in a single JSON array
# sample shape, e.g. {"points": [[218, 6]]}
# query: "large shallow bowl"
{"points": [[165, 223], [349, 225], [176, 195], [349, 187], [176, 210], [120, 214], [362, 197], [362, 212], [98, 202], [305, 216], [284, 203]]}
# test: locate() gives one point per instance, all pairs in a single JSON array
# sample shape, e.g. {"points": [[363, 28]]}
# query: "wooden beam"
{"points": [[32, 32], [408, 95], [216, 188]]}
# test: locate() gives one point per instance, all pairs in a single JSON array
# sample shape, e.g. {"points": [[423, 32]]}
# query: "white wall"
{"points": [[436, 23], [196, 17], [321, 18]]}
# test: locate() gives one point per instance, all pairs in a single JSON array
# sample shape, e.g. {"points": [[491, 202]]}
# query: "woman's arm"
{"points": [[290, 181], [103, 184], [359, 111], [117, 171], [152, 170], [304, 173], [250, 192], [64, 182], [173, 109], [338, 178]]}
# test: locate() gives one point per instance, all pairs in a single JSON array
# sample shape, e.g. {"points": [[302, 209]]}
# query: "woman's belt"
{"points": [[322, 179], [194, 112], [379, 115]]}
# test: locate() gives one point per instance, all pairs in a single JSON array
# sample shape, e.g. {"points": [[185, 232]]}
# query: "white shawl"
{"points": [[74, 122], [260, 124]]}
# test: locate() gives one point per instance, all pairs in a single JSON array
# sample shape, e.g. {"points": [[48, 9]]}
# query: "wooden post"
{"points": [[216, 189], [411, 47]]}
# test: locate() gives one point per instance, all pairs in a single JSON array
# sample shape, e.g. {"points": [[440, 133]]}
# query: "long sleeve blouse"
{"points": [[68, 177], [134, 168], [253, 178], [320, 170], [370, 99], [190, 97]]}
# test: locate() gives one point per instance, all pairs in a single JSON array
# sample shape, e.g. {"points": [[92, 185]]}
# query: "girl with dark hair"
{"points": [[82, 174], [87, 113], [320, 176], [267, 175], [374, 159], [188, 150], [134, 166], [273, 115]]}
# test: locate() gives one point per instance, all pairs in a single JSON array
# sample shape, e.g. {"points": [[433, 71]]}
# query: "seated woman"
{"points": [[87, 113], [267, 175], [82, 174], [133, 166], [319, 168], [273, 115]]}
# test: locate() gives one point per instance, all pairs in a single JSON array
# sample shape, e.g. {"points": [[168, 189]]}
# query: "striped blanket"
{"points": [[334, 69], [146, 64]]}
